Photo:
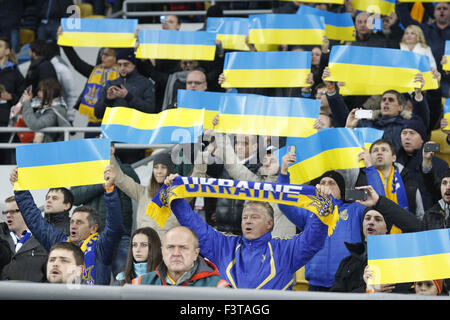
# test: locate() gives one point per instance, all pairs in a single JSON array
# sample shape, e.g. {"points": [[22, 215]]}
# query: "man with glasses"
{"points": [[28, 256]]}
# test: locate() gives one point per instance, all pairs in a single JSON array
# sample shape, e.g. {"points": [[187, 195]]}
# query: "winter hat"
{"points": [[388, 223], [418, 126], [126, 54], [336, 176], [164, 158]]}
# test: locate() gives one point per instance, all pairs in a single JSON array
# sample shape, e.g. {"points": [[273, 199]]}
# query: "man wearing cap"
{"points": [[416, 160], [320, 270], [378, 217], [131, 89]]}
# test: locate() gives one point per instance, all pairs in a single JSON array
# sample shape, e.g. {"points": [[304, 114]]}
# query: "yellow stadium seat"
{"points": [[95, 16], [26, 36], [301, 284], [86, 9]]}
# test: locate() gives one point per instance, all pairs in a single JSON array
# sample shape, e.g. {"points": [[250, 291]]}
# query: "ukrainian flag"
{"points": [[446, 66], [338, 26], [271, 116], [176, 45], [369, 71], [447, 113], [369, 135], [207, 100], [62, 164], [266, 69], [409, 257], [129, 125], [328, 149], [383, 7], [84, 32], [286, 29], [230, 31]]}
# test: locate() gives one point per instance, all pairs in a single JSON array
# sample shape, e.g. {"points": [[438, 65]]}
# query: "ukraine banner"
{"points": [[338, 26], [176, 45], [409, 257], [446, 66], [84, 32], [271, 116], [62, 164], [368, 135], [286, 29], [293, 195], [369, 71], [447, 113], [328, 149], [230, 31], [266, 69], [129, 125], [383, 7]]}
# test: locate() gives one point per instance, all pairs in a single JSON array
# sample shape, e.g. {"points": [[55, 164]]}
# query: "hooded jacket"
{"points": [[203, 274]]}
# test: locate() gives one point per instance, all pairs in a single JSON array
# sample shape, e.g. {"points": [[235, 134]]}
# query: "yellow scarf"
{"points": [[89, 257]]}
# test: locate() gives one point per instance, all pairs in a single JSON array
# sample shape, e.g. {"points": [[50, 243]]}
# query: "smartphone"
{"points": [[162, 18], [432, 147], [356, 194], [292, 149], [363, 114]]}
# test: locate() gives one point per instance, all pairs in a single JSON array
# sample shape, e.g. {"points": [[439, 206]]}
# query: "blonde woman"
{"points": [[414, 40]]}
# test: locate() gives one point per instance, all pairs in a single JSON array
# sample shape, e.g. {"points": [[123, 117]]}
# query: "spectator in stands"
{"points": [[98, 248], [182, 265], [391, 116], [49, 15], [364, 34], [162, 167], [104, 70], [378, 218], [171, 22], [46, 109], [58, 203], [40, 67], [438, 216], [267, 172], [12, 84], [144, 255], [413, 156], [431, 288], [320, 270], [92, 195], [236, 255], [65, 263], [414, 40], [27, 255], [382, 172], [65, 78], [131, 89], [324, 121], [436, 33]]}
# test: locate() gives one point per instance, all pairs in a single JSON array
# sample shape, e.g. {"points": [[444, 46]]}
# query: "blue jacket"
{"points": [[48, 235], [320, 270], [262, 263]]}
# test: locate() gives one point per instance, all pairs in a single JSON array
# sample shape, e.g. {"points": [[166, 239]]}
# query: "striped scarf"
{"points": [[88, 248]]}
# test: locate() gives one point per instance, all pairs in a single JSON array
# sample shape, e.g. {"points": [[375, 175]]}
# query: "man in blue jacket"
{"points": [[320, 270], [255, 259], [98, 249]]}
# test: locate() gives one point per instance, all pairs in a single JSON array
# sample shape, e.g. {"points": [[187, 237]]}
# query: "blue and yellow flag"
{"points": [[129, 125], [207, 100], [369, 135], [338, 26], [266, 69], [293, 195], [369, 71], [176, 45], [409, 257], [328, 149], [231, 31], [62, 164], [276, 28], [271, 116], [84, 32], [447, 113], [383, 7], [446, 66]]}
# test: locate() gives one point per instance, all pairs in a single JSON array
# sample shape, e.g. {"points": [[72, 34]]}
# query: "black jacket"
{"points": [[349, 275], [14, 83], [27, 264], [60, 220], [141, 94], [40, 69]]}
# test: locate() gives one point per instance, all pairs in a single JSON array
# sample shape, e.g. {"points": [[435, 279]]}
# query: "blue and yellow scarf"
{"points": [[88, 248], [99, 76]]}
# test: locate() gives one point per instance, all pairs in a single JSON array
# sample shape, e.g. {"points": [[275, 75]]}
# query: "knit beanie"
{"points": [[164, 158], [388, 223], [418, 126], [126, 54], [336, 176]]}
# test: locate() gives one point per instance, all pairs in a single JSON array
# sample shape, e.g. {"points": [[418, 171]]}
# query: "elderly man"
{"points": [[182, 265], [255, 259]]}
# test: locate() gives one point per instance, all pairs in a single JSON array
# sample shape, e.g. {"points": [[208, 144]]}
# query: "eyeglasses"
{"points": [[11, 211], [390, 99], [197, 83]]}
